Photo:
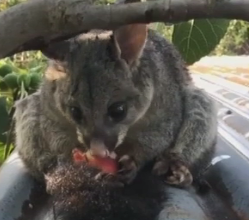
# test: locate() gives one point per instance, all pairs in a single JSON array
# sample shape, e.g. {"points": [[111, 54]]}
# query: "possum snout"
{"points": [[102, 141]]}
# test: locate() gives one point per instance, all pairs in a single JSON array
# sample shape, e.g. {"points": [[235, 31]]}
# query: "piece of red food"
{"points": [[107, 164], [79, 156]]}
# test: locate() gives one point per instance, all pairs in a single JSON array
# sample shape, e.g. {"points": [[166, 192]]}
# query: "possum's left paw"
{"points": [[176, 170]]}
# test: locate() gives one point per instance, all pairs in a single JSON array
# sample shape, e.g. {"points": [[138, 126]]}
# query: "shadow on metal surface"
{"points": [[230, 179]]}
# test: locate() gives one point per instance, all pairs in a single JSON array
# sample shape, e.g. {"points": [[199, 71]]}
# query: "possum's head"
{"points": [[95, 84]]}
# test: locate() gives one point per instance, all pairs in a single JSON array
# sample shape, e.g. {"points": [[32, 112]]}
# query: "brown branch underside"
{"points": [[34, 24]]}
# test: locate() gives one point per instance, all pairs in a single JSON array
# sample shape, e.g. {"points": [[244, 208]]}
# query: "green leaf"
{"points": [[197, 38], [4, 119]]}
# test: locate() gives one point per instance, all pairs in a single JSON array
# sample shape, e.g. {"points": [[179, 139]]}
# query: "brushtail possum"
{"points": [[125, 94]]}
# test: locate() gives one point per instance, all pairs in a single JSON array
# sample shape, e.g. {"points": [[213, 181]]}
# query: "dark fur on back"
{"points": [[77, 196]]}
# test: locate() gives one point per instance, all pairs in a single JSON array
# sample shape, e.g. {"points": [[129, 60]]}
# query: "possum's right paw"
{"points": [[128, 169], [125, 175], [176, 171]]}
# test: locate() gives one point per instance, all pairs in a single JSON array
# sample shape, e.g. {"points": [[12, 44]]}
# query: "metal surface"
{"points": [[243, 91], [182, 205], [15, 187], [230, 180], [238, 119]]}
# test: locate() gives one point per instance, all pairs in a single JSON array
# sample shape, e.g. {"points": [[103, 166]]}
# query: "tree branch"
{"points": [[34, 24]]}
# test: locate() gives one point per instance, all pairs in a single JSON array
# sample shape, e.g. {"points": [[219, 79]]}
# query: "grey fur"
{"points": [[167, 113]]}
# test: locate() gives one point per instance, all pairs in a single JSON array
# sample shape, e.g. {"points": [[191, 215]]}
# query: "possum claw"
{"points": [[176, 171], [128, 169], [110, 179], [181, 175]]}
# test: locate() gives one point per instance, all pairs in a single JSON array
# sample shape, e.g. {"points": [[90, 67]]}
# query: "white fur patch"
{"points": [[121, 137], [79, 136]]}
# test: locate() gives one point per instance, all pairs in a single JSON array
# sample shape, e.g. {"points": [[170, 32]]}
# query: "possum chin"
{"points": [[76, 194]]}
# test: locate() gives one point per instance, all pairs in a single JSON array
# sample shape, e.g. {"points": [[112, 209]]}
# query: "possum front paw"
{"points": [[176, 170], [126, 173], [109, 179], [128, 169]]}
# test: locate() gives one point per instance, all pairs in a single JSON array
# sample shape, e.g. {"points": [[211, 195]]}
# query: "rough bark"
{"points": [[34, 24]]}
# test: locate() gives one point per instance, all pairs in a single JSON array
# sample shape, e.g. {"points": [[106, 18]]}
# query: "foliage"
{"points": [[236, 39], [165, 30], [8, 3], [15, 84], [104, 2], [197, 38], [20, 74]]}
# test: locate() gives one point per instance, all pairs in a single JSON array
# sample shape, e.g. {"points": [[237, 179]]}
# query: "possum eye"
{"points": [[76, 113], [117, 111]]}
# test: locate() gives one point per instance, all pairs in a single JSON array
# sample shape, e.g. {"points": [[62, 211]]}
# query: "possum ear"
{"points": [[57, 51], [129, 41]]}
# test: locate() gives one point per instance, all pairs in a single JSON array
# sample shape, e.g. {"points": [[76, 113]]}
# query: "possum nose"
{"points": [[101, 141], [98, 148]]}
